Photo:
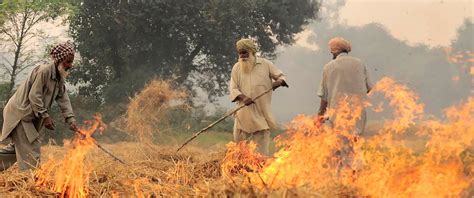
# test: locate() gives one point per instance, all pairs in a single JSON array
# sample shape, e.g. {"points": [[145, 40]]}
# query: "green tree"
{"points": [[18, 30], [4, 93], [123, 44]]}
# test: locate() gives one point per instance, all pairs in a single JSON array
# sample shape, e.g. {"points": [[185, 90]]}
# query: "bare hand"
{"points": [[246, 100], [73, 126], [49, 124], [279, 83], [276, 84], [320, 119]]}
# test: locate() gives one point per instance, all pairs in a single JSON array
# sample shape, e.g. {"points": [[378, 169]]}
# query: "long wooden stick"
{"points": [[102, 148], [219, 120]]}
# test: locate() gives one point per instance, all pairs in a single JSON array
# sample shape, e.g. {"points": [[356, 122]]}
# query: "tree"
{"points": [[464, 40], [18, 29], [123, 44], [463, 53]]}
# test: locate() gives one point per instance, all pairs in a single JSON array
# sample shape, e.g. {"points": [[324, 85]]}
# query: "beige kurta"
{"points": [[33, 99], [257, 116], [345, 76]]}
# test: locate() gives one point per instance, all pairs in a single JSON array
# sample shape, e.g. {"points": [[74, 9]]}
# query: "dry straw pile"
{"points": [[154, 171], [302, 167], [150, 170]]}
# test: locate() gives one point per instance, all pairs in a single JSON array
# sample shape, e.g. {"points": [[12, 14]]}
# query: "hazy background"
{"points": [[404, 39], [399, 38]]}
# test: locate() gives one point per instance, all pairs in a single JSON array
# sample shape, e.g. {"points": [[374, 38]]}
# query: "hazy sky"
{"points": [[432, 22]]}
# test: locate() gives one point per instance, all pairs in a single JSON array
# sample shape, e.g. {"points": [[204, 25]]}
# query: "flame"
{"points": [[381, 165], [392, 170], [241, 158], [308, 151], [70, 175], [403, 101]]}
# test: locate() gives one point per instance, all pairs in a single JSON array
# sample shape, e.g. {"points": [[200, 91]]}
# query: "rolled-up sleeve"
{"points": [[65, 105], [323, 89], [234, 85], [35, 96], [276, 74]]}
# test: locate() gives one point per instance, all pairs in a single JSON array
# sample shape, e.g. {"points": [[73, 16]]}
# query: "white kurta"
{"points": [[345, 76], [257, 116]]}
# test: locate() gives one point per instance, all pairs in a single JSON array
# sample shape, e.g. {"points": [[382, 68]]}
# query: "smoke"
{"points": [[424, 69]]}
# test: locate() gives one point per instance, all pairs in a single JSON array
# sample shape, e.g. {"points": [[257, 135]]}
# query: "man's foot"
{"points": [[8, 149]]}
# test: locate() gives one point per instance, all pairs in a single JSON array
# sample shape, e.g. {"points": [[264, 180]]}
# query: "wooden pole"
{"points": [[220, 120]]}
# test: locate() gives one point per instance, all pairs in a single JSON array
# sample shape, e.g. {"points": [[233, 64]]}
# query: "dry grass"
{"points": [[150, 170], [160, 171], [156, 171], [147, 111]]}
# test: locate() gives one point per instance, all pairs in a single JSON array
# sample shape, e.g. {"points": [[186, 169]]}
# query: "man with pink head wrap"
{"points": [[345, 78], [339, 45], [26, 112]]}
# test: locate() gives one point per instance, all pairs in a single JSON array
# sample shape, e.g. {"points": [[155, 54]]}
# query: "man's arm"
{"points": [[322, 107], [278, 76], [38, 79], [234, 89], [368, 82], [64, 104], [322, 110], [323, 94]]}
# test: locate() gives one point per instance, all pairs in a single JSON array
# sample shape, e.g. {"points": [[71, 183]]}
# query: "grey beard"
{"points": [[62, 72]]}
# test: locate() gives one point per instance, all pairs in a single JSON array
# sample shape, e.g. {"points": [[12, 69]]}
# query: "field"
{"points": [[158, 170], [405, 156]]}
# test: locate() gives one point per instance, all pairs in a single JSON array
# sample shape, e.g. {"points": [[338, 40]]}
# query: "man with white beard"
{"points": [[27, 110], [250, 77]]}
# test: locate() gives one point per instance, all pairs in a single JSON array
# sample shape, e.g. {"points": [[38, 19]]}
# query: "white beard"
{"points": [[62, 72], [247, 64]]}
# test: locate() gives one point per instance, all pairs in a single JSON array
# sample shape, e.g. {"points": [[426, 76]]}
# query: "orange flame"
{"points": [[392, 170], [72, 173], [310, 154], [378, 166], [241, 158], [403, 101]]}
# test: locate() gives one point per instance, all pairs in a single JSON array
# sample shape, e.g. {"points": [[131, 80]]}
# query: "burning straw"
{"points": [[379, 166], [308, 163], [69, 177]]}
